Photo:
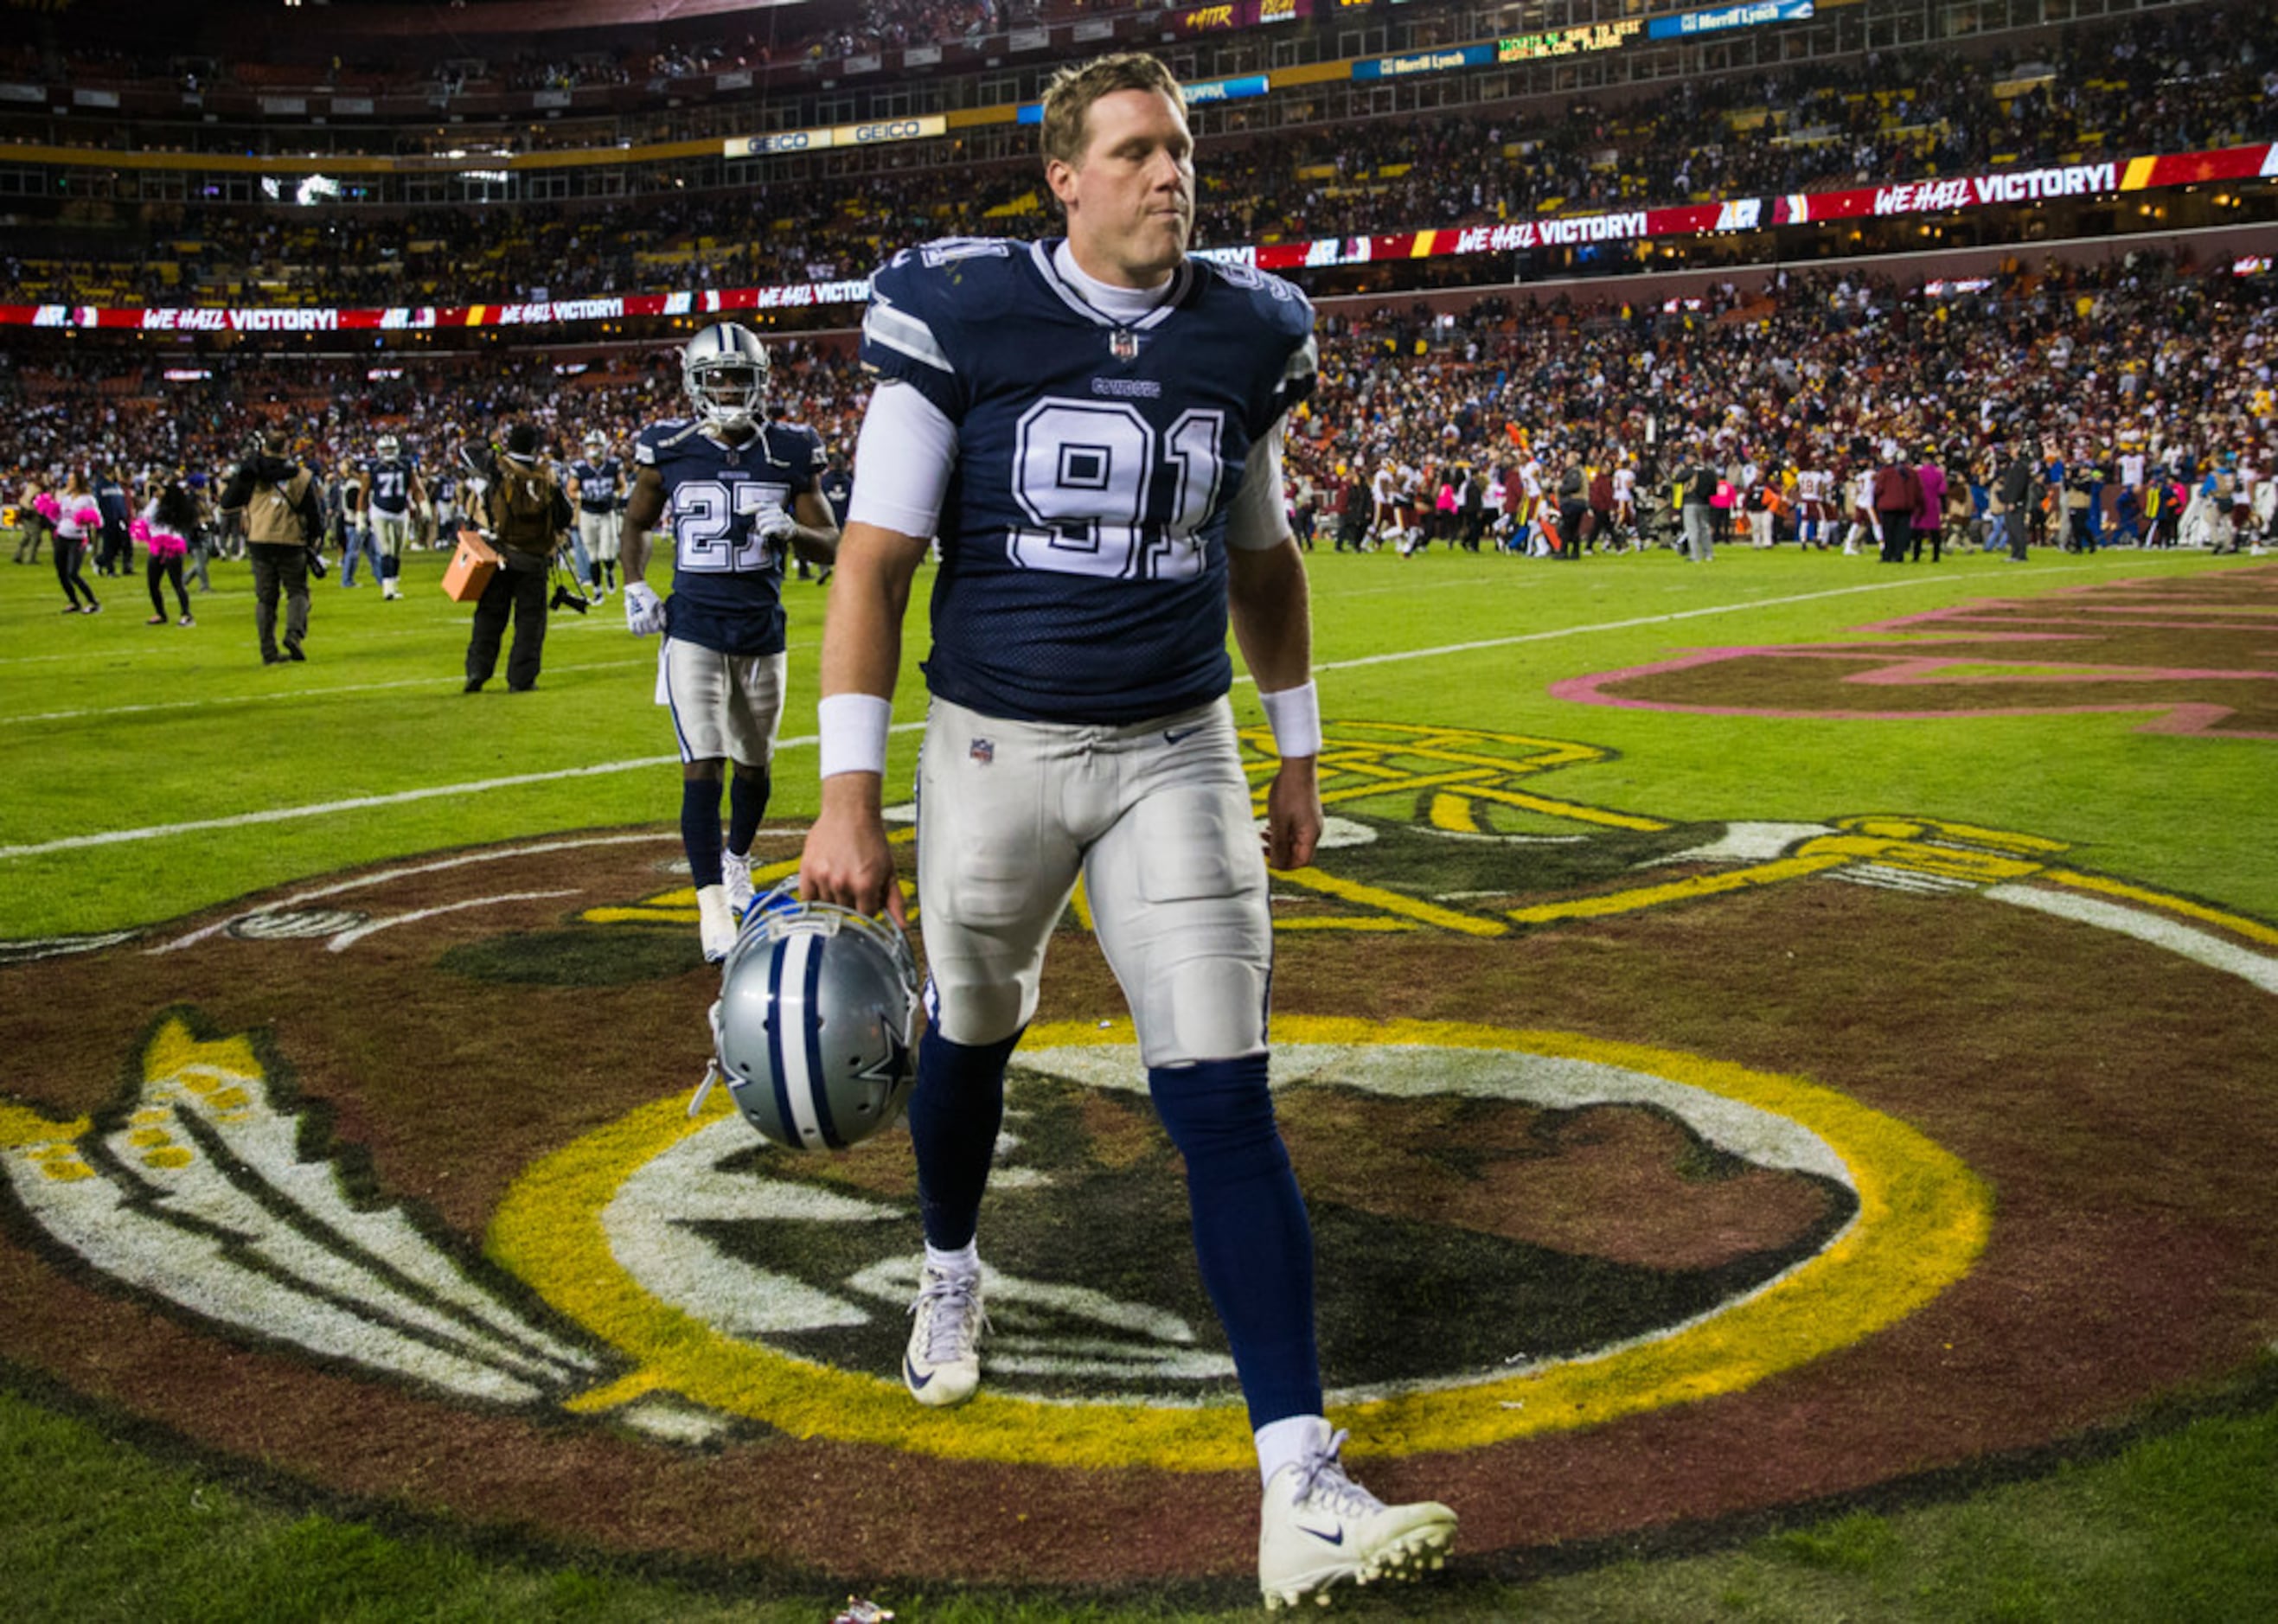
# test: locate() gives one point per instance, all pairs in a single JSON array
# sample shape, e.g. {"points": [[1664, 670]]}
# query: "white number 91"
{"points": [[1084, 474]]}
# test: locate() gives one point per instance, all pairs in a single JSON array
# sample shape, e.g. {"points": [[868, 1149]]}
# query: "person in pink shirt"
{"points": [[1930, 513], [165, 528]]}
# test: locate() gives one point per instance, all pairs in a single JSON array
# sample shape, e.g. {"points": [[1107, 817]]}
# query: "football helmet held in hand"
{"points": [[813, 1030]]}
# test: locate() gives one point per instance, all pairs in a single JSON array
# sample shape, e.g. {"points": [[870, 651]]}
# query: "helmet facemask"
{"points": [[725, 370]]}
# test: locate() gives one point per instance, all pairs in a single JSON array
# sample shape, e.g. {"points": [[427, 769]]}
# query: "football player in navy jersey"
{"points": [[597, 486], [1091, 428], [391, 492], [742, 491]]}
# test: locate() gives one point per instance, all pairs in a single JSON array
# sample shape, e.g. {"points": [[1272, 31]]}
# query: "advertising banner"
{"points": [[2112, 178], [1720, 20]]}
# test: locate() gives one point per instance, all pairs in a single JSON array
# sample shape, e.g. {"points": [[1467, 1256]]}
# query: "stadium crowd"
{"points": [[2129, 391], [812, 33], [2128, 87]]}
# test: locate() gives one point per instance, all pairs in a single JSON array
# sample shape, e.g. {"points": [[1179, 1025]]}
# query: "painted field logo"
{"points": [[1844, 1150], [760, 1283], [2195, 653]]}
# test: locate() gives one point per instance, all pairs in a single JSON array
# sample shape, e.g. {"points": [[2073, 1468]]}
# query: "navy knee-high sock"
{"points": [[955, 1111], [699, 828], [1252, 1239], [747, 803]]}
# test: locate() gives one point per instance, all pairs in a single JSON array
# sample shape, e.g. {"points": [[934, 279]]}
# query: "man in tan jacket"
{"points": [[277, 499]]}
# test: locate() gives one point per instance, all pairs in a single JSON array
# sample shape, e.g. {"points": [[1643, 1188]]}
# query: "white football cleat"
{"points": [[1319, 1526], [943, 1365], [716, 921], [736, 875]]}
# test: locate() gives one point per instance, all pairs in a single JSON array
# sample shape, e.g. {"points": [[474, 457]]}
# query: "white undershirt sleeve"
{"points": [[902, 461], [1256, 520]]}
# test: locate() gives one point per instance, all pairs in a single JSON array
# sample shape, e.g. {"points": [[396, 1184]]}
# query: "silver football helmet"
{"points": [[813, 1027], [597, 444], [388, 448], [725, 370]]}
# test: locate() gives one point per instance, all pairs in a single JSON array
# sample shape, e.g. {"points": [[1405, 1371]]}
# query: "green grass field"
{"points": [[154, 770]]}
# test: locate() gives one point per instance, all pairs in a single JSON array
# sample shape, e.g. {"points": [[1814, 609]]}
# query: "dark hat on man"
{"points": [[522, 440]]}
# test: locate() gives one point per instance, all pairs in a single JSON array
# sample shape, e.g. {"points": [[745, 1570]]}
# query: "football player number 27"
{"points": [[706, 515], [1085, 472]]}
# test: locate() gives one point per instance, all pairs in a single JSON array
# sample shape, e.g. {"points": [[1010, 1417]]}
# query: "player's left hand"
{"points": [[643, 609], [1293, 814], [774, 525]]}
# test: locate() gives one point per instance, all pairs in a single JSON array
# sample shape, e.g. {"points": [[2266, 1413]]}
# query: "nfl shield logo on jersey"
{"points": [[1123, 344], [984, 752]]}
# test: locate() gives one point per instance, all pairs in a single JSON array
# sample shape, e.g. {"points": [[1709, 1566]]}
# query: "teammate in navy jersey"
{"points": [[597, 482], [393, 491], [742, 491], [1091, 427]]}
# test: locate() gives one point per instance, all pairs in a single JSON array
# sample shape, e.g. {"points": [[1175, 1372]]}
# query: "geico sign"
{"points": [[895, 129]]}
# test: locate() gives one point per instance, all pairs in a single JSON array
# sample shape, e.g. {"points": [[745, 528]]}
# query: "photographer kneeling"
{"points": [[524, 511]]}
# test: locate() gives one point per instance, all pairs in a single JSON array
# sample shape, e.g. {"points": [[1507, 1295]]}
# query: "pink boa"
{"points": [[163, 543]]}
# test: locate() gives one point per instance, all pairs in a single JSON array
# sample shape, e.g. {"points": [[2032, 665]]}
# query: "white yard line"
{"points": [[213, 701], [285, 814], [325, 808]]}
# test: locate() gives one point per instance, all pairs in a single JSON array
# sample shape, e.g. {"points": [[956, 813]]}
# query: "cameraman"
{"points": [[524, 512], [277, 500]]}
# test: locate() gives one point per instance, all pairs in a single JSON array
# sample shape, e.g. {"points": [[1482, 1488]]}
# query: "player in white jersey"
{"points": [[1862, 508], [1092, 427], [1384, 500], [1814, 507], [1625, 514]]}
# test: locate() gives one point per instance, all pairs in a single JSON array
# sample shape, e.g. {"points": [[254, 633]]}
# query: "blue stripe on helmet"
{"points": [[817, 1078], [787, 1123]]}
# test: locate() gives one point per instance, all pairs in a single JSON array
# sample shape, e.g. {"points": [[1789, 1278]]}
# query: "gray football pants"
{"points": [[1154, 817]]}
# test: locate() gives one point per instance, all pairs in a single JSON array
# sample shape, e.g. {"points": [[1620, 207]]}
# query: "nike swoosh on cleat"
{"points": [[1337, 1539], [910, 1375]]}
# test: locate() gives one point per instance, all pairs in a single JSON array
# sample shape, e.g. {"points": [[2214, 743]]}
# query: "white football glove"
{"points": [[643, 609], [774, 525]]}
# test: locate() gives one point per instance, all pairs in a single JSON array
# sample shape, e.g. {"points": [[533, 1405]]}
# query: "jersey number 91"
{"points": [[1085, 475]]}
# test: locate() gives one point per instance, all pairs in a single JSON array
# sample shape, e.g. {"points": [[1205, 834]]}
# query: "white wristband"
{"points": [[1294, 715], [851, 729]]}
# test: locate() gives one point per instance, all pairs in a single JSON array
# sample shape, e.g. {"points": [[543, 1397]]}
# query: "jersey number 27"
{"points": [[712, 522]]}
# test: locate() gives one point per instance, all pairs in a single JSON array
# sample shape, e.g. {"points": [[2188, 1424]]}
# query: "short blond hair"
{"points": [[1069, 98]]}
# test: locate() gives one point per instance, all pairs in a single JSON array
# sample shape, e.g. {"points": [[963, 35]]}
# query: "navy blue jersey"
{"points": [[1083, 537], [838, 491], [597, 484], [726, 581], [390, 486]]}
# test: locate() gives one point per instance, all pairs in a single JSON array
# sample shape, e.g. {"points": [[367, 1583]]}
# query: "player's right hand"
{"points": [[643, 609], [848, 860]]}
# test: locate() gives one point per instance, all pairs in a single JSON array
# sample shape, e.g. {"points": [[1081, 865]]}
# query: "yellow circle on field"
{"points": [[1922, 1220]]}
